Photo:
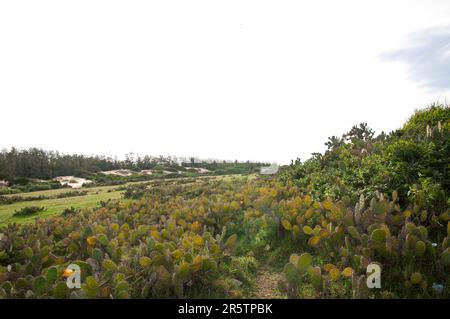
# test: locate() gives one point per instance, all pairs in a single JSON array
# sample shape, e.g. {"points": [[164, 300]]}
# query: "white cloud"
{"points": [[264, 80], [428, 57]]}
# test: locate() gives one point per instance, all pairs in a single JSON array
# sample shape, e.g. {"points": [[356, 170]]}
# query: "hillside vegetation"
{"points": [[315, 228], [34, 169]]}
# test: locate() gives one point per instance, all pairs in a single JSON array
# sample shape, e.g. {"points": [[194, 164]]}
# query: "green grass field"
{"points": [[57, 205]]}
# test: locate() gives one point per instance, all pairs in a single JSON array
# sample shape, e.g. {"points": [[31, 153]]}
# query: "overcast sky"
{"points": [[259, 80]]}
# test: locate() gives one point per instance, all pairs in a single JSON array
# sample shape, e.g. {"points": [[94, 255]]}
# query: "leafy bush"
{"points": [[135, 191], [28, 211], [69, 212], [72, 194], [5, 200], [431, 117], [360, 163]]}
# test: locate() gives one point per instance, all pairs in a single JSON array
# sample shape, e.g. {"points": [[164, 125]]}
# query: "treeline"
{"points": [[41, 164], [35, 163]]}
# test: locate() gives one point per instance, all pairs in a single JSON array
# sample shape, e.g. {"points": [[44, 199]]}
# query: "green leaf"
{"points": [[291, 273], [39, 285], [378, 236], [316, 277], [21, 284], [293, 259], [108, 264], [286, 224], [59, 292], [307, 230], [28, 252], [122, 294], [354, 232], [231, 242], [103, 239], [145, 261], [92, 283], [52, 273], [7, 286], [304, 261], [122, 286], [420, 247], [97, 255], [183, 272]]}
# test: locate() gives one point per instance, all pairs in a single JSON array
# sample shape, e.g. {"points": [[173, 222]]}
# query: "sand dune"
{"points": [[72, 181], [119, 172], [198, 169]]}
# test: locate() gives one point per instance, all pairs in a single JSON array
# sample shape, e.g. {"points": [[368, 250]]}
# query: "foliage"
{"points": [[169, 247], [198, 245], [360, 163], [28, 211], [6, 200], [71, 194], [135, 191], [346, 238], [69, 212], [381, 199]]}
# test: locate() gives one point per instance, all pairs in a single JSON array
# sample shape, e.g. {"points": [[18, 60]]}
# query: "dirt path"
{"points": [[266, 285]]}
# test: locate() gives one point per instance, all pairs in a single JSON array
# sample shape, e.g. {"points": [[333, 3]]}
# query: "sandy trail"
{"points": [[266, 285]]}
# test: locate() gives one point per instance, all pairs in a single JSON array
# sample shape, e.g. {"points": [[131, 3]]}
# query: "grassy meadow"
{"points": [[56, 206]]}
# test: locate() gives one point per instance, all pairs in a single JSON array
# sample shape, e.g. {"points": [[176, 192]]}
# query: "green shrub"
{"points": [[28, 211], [135, 191], [69, 212]]}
